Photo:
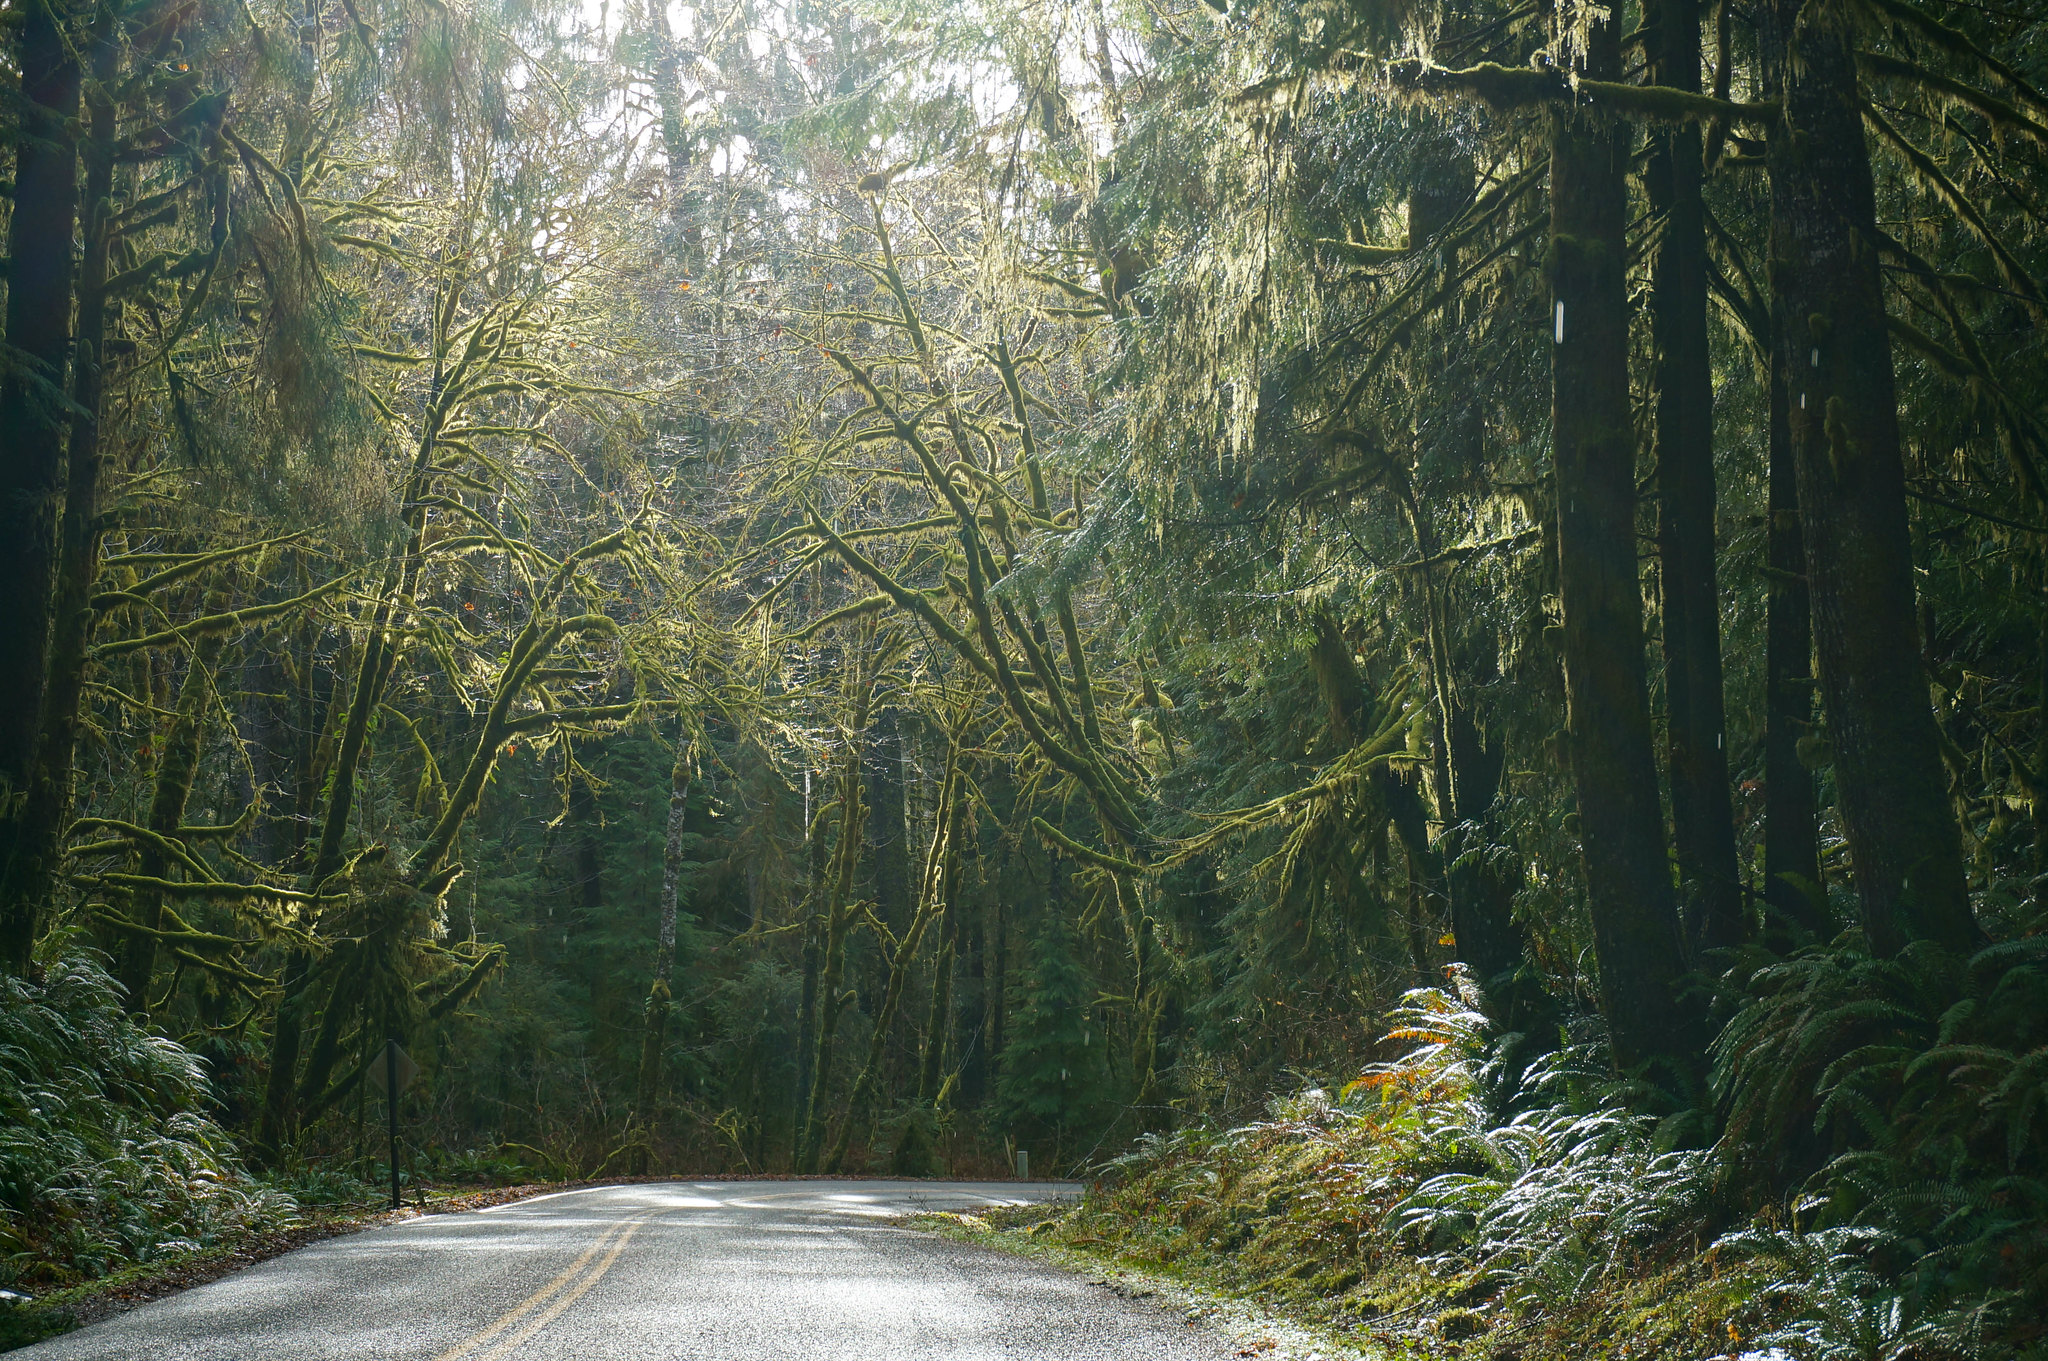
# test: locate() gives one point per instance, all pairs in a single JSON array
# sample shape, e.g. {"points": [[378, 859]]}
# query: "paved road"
{"points": [[708, 1271]]}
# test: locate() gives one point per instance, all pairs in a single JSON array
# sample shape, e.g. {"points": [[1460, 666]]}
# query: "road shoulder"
{"points": [[1253, 1330], [65, 1310]]}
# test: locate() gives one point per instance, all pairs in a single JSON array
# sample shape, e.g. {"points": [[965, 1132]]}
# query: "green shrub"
{"points": [[107, 1156]]}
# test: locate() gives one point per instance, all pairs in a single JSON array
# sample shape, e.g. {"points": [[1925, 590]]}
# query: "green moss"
{"points": [[1270, 1214]]}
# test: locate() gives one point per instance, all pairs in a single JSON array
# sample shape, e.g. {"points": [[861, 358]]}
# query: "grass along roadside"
{"points": [[1253, 1327], [1408, 1217], [1283, 1299]]}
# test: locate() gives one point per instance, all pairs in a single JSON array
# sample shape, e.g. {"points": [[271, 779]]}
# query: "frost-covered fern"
{"points": [[1546, 1203], [1537, 1207], [1567, 1199], [106, 1154], [1923, 1078]]}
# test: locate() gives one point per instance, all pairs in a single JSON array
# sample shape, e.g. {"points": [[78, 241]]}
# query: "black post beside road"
{"points": [[391, 1111]]}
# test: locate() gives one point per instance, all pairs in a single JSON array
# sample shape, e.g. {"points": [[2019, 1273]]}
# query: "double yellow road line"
{"points": [[546, 1303]]}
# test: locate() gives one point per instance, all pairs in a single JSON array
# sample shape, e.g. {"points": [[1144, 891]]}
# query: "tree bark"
{"points": [[939, 1019], [34, 836], [1489, 942], [1791, 818], [813, 958], [381, 647], [931, 903], [176, 772], [837, 923], [647, 1088], [1636, 932], [1702, 818], [939, 1024], [2038, 793], [32, 424], [888, 848], [1835, 360]]}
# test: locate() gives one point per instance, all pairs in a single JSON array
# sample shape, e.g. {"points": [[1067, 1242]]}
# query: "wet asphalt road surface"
{"points": [[703, 1271]]}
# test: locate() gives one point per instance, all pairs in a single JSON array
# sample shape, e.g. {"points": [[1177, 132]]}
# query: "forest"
{"points": [[1440, 609]]}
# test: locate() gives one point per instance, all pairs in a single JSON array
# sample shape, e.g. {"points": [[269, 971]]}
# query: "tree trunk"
{"points": [[589, 858], [1636, 933], [1488, 940], [939, 1020], [931, 902], [176, 772], [1481, 883], [34, 842], [939, 1024], [888, 848], [995, 987], [647, 1089], [2038, 793], [32, 427], [1836, 362], [1702, 819], [838, 917], [1417, 926], [1344, 697], [1791, 820], [279, 1121]]}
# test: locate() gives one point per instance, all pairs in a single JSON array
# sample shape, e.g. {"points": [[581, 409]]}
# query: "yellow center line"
{"points": [[568, 1297], [540, 1296]]}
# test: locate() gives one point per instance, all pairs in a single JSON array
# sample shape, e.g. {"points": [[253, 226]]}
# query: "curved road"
{"points": [[708, 1271]]}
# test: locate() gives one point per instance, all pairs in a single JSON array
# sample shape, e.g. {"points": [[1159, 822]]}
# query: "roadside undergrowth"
{"points": [[116, 1183], [1409, 1214]]}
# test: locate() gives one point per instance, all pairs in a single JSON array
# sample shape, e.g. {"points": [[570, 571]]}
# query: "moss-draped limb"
{"points": [[180, 567], [216, 890], [469, 984], [1519, 87], [214, 625], [1956, 43], [1972, 217], [1063, 605], [1087, 855], [2002, 113]]}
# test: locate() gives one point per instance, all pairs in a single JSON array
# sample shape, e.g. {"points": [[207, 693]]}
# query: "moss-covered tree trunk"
{"points": [[1636, 933], [1702, 818], [888, 846], [1836, 363], [1467, 768], [806, 1035], [2038, 890], [647, 1087], [1791, 816], [1344, 698], [836, 924], [939, 1022], [939, 1017], [278, 1123], [931, 903], [176, 772], [32, 829], [32, 427]]}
